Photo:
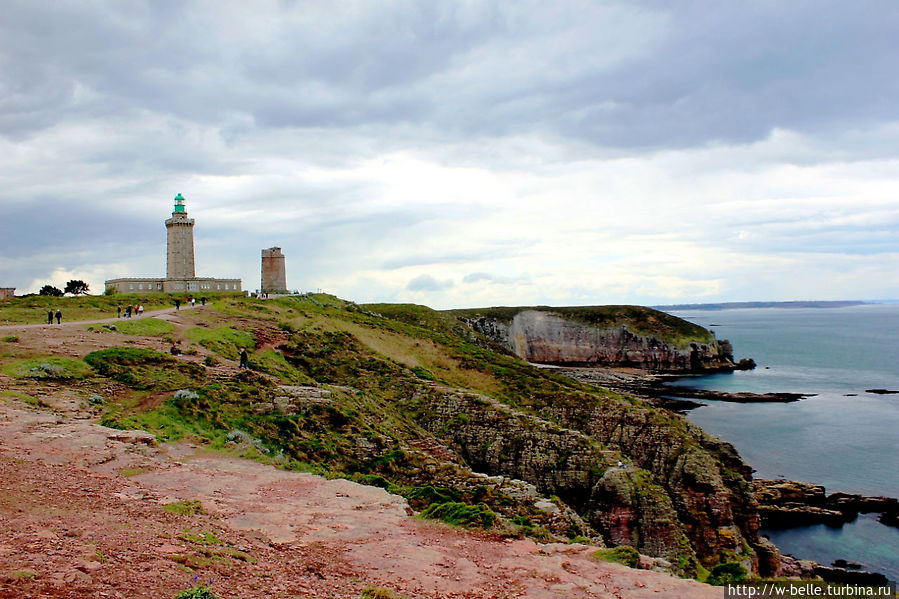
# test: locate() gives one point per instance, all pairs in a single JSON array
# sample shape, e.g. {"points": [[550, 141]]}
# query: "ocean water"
{"points": [[842, 437]]}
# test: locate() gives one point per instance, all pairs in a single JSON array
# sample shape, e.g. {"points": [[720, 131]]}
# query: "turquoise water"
{"points": [[842, 438]]}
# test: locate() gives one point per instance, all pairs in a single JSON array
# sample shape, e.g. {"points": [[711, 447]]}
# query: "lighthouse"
{"points": [[180, 256]]}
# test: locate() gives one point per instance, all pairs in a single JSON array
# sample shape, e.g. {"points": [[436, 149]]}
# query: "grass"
{"points": [[190, 507], [10, 339], [460, 514], [49, 367], [225, 341], [145, 327], [624, 554], [33, 309], [23, 397], [142, 368]]}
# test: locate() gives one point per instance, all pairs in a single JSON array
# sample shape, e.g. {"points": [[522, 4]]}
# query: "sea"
{"points": [[841, 436]]}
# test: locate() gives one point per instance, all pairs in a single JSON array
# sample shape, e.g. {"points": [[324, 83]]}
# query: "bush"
{"points": [[143, 368], [625, 555], [727, 573], [460, 514], [191, 507], [201, 592]]}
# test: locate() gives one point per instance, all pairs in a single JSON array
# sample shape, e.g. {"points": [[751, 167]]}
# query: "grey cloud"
{"points": [[699, 72], [427, 283]]}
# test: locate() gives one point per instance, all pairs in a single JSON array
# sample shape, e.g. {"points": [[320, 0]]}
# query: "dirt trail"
{"points": [[146, 314]]}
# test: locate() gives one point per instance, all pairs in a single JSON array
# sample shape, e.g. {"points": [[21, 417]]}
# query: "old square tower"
{"points": [[180, 237], [180, 271]]}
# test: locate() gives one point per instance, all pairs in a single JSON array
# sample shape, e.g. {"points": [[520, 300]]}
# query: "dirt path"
{"points": [[81, 515], [146, 314]]}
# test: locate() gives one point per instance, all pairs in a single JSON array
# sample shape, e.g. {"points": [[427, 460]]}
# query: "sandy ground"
{"points": [[81, 515]]}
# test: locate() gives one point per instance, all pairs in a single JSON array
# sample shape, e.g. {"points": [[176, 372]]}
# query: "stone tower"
{"points": [[274, 278], [180, 258]]}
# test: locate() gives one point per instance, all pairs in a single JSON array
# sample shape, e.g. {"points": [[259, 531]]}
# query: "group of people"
{"points": [[51, 315], [190, 301], [137, 310]]}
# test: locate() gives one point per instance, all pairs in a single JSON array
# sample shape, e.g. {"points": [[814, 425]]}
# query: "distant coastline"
{"points": [[736, 305]]}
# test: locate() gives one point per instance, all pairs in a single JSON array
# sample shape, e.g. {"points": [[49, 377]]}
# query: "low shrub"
{"points": [[191, 507], [625, 555], [460, 514], [727, 573]]}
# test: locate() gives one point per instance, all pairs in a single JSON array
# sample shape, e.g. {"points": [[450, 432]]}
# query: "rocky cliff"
{"points": [[602, 335], [681, 496]]}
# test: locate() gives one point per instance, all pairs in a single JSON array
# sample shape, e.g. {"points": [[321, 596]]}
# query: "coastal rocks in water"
{"points": [[789, 503], [654, 387], [881, 391], [889, 519], [855, 577]]}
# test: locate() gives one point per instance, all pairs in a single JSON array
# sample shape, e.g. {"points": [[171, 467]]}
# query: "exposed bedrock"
{"points": [[706, 480], [683, 496], [551, 338]]}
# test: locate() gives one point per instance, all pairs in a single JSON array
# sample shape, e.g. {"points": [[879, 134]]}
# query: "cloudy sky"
{"points": [[459, 153]]}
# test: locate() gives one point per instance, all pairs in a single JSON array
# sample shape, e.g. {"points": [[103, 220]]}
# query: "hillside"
{"points": [[416, 402]]}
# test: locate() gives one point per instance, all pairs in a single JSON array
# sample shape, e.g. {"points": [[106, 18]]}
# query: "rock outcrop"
{"points": [[788, 503], [682, 496], [553, 336]]}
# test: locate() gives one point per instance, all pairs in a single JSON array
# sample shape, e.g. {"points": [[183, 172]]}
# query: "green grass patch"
{"points": [[142, 368], [727, 573], [146, 327], [460, 514], [190, 507], [10, 339], [48, 368], [200, 538], [23, 397], [200, 592], [225, 341], [273, 362], [625, 554]]}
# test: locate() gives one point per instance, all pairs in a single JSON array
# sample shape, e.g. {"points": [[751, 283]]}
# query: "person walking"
{"points": [[58, 316], [140, 309], [244, 359], [128, 311], [177, 304], [50, 317], [203, 301], [118, 311]]}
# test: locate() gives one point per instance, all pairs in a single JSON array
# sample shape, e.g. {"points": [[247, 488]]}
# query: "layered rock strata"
{"points": [[548, 337]]}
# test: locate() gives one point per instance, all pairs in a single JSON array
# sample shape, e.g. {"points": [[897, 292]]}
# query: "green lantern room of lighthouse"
{"points": [[179, 203]]}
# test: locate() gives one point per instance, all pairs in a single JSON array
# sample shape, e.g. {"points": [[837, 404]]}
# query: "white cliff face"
{"points": [[546, 337]]}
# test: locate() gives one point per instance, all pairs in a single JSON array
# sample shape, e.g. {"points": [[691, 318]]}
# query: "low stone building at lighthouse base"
{"points": [[180, 272]]}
